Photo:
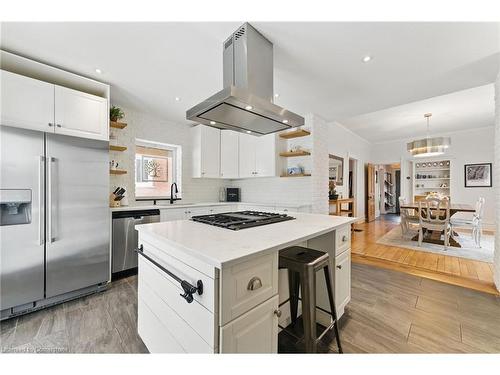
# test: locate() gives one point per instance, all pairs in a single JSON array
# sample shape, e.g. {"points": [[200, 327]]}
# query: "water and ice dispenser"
{"points": [[15, 206]]}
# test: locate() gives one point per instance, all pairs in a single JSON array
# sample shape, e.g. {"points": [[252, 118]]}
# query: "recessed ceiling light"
{"points": [[212, 123], [177, 99], [249, 131], [248, 107], [276, 95], [98, 71], [285, 121], [366, 59]]}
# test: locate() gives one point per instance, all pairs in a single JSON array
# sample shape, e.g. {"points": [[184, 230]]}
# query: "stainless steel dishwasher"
{"points": [[125, 237]]}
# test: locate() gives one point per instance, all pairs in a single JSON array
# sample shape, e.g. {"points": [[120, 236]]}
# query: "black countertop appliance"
{"points": [[232, 194]]}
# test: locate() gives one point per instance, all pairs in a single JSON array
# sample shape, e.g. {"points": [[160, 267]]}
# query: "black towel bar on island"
{"points": [[188, 288]]}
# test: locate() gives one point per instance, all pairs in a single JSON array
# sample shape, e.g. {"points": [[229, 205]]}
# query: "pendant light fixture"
{"points": [[428, 147]]}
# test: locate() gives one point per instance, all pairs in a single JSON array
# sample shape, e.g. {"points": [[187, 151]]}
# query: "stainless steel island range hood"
{"points": [[246, 102]]}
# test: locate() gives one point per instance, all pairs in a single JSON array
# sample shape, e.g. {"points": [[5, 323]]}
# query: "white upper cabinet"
{"points": [[206, 151], [257, 155], [265, 156], [38, 105], [229, 154], [247, 146], [80, 114], [26, 102]]}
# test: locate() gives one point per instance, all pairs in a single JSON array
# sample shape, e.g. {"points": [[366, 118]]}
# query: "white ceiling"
{"points": [[317, 66], [461, 110]]}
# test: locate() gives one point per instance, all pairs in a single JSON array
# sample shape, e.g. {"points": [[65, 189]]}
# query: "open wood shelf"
{"points": [[296, 175], [117, 125], [117, 148], [290, 154], [117, 171], [432, 179], [295, 134]]}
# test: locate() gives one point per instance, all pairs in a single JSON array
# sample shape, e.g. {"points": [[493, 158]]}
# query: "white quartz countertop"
{"points": [[219, 246], [201, 204]]}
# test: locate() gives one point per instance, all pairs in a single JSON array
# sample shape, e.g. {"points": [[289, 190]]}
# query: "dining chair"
{"points": [[409, 221], [434, 215], [475, 223]]}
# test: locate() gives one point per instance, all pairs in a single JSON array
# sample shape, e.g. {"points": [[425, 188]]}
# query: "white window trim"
{"points": [[176, 160]]}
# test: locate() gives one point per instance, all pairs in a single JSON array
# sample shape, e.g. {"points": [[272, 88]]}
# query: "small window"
{"points": [[157, 166]]}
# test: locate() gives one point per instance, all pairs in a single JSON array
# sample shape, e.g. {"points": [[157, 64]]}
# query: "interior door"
{"points": [[77, 253], [22, 216], [370, 193], [26, 102], [247, 145], [80, 114]]}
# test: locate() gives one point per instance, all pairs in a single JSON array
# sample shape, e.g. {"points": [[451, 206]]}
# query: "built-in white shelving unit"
{"points": [[431, 176]]}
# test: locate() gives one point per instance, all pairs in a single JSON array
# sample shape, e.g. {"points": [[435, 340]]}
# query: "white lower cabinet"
{"points": [[342, 281], [172, 214], [254, 332]]}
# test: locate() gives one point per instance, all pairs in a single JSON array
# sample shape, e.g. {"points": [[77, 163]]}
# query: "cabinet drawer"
{"points": [[254, 332], [194, 314], [342, 239], [247, 284]]}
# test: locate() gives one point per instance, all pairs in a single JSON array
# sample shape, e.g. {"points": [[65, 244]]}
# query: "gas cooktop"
{"points": [[241, 219]]}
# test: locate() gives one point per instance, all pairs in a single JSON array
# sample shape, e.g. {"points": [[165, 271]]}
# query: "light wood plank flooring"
{"points": [[390, 312], [457, 271]]}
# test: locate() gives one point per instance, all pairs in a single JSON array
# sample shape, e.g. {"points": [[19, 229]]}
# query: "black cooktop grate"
{"points": [[241, 219]]}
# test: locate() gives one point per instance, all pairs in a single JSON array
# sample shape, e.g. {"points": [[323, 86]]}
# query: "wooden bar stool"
{"points": [[302, 264]]}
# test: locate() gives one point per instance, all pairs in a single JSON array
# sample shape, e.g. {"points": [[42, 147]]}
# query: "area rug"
{"points": [[468, 250]]}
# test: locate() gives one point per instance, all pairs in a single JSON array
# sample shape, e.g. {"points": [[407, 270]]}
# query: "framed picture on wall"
{"points": [[478, 175]]}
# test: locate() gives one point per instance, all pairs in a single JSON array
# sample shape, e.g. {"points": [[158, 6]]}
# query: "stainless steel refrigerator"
{"points": [[54, 218]]}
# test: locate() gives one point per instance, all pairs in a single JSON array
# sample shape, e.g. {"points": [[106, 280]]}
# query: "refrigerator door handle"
{"points": [[41, 205], [51, 161]]}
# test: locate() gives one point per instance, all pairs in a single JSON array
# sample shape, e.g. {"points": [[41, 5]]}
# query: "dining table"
{"points": [[435, 236]]}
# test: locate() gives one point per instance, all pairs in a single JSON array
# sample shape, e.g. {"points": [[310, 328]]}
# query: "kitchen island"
{"points": [[205, 289]]}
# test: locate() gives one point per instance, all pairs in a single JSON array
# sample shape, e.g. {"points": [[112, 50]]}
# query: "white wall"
{"points": [[344, 143], [143, 126], [467, 147]]}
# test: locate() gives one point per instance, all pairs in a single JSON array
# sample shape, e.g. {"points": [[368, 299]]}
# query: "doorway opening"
{"points": [[388, 189]]}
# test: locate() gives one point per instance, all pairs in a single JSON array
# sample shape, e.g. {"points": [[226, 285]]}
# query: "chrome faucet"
{"points": [[172, 192]]}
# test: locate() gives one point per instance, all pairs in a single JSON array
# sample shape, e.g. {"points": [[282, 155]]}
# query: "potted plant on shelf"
{"points": [[116, 114], [332, 191]]}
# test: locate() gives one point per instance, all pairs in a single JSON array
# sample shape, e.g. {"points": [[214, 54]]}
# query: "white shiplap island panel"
{"points": [[227, 262]]}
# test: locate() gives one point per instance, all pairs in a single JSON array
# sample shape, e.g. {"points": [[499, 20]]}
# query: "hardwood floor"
{"points": [[468, 273], [390, 312]]}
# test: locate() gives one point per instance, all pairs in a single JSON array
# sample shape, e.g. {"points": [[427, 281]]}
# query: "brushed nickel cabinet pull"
{"points": [[254, 283], [277, 313], [339, 266]]}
